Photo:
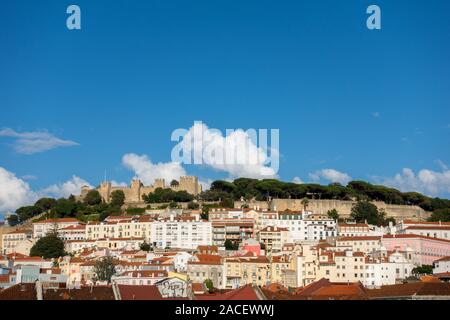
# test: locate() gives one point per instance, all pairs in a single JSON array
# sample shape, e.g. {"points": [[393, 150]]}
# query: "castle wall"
{"points": [[134, 193], [343, 207]]}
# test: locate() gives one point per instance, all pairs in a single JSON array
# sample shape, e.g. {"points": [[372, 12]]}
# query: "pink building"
{"points": [[251, 245], [425, 250]]}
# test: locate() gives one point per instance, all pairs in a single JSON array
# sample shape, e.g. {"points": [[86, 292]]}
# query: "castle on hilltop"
{"points": [[134, 192]]}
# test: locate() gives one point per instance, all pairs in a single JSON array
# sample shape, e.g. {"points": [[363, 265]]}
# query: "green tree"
{"points": [[117, 198], [13, 220], [193, 205], [50, 246], [104, 269], [144, 246], [93, 197], [27, 212], [333, 214], [174, 183], [423, 269], [305, 203], [440, 215], [45, 203], [227, 203], [365, 211], [173, 205], [229, 245], [209, 285], [63, 208]]}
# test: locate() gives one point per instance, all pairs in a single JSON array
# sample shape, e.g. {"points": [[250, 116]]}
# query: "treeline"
{"points": [[161, 195], [355, 190], [91, 208]]}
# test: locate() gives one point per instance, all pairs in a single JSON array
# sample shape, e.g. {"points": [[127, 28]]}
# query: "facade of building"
{"points": [[206, 266], [441, 265], [425, 250], [366, 244], [14, 239], [41, 228], [273, 238], [181, 232], [235, 230]]}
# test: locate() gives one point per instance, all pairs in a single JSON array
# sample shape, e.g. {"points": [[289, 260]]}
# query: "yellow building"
{"points": [[273, 238]]}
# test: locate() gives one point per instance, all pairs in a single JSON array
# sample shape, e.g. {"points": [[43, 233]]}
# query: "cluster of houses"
{"points": [[233, 249]]}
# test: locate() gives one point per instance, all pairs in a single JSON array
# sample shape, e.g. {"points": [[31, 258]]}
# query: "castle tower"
{"points": [[105, 191], [190, 184], [135, 195], [159, 183]]}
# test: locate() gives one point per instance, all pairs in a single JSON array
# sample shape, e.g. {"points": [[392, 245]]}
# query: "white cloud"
{"points": [[331, 175], [35, 141], [425, 181], [70, 187], [147, 171], [14, 192], [236, 153], [297, 180], [206, 184]]}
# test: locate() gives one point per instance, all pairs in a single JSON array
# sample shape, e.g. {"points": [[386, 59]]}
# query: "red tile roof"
{"points": [[360, 238], [246, 292], [411, 236], [58, 220], [129, 292], [411, 289]]}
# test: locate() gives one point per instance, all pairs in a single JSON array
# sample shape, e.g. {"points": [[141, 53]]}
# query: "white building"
{"points": [[41, 228], [441, 265], [13, 240], [140, 277], [181, 232], [303, 226], [120, 227], [77, 232]]}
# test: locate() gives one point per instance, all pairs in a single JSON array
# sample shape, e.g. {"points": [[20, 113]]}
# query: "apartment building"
{"points": [[353, 229], [140, 277], [41, 228], [234, 230], [77, 232], [425, 250], [273, 238], [432, 231], [206, 266], [247, 270], [120, 227], [13, 240], [366, 244], [182, 232], [441, 265], [303, 225]]}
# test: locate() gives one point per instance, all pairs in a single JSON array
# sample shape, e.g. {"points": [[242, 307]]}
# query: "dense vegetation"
{"points": [[161, 195], [50, 246], [355, 190], [104, 269], [91, 208], [224, 193]]}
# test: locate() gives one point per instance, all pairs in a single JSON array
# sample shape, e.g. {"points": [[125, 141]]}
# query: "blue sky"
{"points": [[365, 104]]}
